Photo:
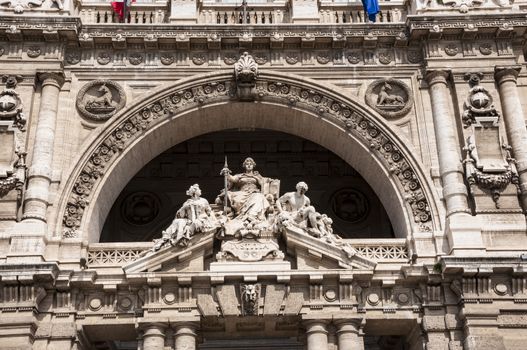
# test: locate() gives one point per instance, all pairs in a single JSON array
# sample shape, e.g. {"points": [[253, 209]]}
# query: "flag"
{"points": [[120, 7], [371, 7]]}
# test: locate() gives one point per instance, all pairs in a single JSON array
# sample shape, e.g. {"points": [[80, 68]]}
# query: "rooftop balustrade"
{"points": [[233, 12]]}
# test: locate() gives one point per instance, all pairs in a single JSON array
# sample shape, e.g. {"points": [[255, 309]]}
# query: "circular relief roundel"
{"points": [[140, 208], [350, 205], [389, 97], [99, 100]]}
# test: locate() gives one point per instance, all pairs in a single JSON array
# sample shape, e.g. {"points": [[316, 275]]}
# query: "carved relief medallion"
{"points": [[323, 57], [451, 49], [199, 59], [485, 49], [350, 205], [389, 97], [230, 58], [104, 58], [291, 58], [385, 57], [135, 58], [73, 57], [34, 51], [261, 58], [354, 57], [140, 208], [167, 59], [100, 99]]}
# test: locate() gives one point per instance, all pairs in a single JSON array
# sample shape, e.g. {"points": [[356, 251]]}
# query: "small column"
{"points": [[154, 337], [514, 121], [450, 166], [348, 335], [317, 335], [39, 178], [185, 336]]}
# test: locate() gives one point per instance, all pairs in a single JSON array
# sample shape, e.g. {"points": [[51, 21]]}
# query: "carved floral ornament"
{"points": [[12, 171], [100, 99], [224, 88]]}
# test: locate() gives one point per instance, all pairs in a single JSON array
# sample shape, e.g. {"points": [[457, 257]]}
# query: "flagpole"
{"points": [[125, 2]]}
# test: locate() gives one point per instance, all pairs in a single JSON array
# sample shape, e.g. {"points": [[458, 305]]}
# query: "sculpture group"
{"points": [[248, 216]]}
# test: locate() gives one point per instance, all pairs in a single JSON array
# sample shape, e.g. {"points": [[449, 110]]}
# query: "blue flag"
{"points": [[371, 7]]}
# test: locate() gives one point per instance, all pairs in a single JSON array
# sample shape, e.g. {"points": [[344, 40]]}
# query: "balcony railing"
{"points": [[141, 12], [231, 12], [119, 254], [351, 11], [257, 12]]}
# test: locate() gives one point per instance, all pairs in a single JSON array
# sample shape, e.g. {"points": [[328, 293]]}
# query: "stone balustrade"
{"points": [[351, 11], [257, 12], [141, 12], [115, 254], [118, 254]]}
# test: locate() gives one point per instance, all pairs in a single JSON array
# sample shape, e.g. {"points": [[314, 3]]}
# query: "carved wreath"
{"points": [[99, 100], [389, 97]]}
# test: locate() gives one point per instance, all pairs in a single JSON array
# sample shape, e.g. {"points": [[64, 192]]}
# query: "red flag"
{"points": [[121, 7]]}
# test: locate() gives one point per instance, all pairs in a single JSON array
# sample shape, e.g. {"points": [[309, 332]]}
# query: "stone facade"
{"points": [[426, 107]]}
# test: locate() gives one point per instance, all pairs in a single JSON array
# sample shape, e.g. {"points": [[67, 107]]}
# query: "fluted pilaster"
{"points": [[39, 177], [514, 121], [450, 166]]}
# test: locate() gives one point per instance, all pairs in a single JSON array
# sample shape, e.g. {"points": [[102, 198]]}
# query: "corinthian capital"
{"points": [[507, 73], [437, 76], [51, 78]]}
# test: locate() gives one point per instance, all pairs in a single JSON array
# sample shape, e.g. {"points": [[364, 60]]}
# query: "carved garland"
{"points": [[211, 92]]}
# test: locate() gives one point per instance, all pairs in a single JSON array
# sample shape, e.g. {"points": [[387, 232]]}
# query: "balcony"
{"points": [[141, 12], [231, 12]]}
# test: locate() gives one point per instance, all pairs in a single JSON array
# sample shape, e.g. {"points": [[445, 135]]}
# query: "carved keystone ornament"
{"points": [[389, 97], [100, 99]]}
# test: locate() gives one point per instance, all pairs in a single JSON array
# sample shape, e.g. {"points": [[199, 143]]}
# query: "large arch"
{"points": [[208, 103]]}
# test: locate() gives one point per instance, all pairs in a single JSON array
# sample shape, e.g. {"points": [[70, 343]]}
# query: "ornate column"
{"points": [[39, 178], [463, 230], [514, 121], [450, 166], [317, 335], [348, 335], [154, 336], [185, 336]]}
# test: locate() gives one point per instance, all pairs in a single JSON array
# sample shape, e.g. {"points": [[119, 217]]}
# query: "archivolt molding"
{"points": [[270, 87]]}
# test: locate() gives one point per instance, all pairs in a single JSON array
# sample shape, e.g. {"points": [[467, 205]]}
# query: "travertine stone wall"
{"points": [[426, 105]]}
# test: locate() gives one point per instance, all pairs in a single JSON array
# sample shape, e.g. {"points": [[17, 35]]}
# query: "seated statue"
{"points": [[195, 216], [295, 209], [246, 197]]}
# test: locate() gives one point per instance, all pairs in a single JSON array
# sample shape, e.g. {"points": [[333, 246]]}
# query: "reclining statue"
{"points": [[295, 209], [195, 216]]}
